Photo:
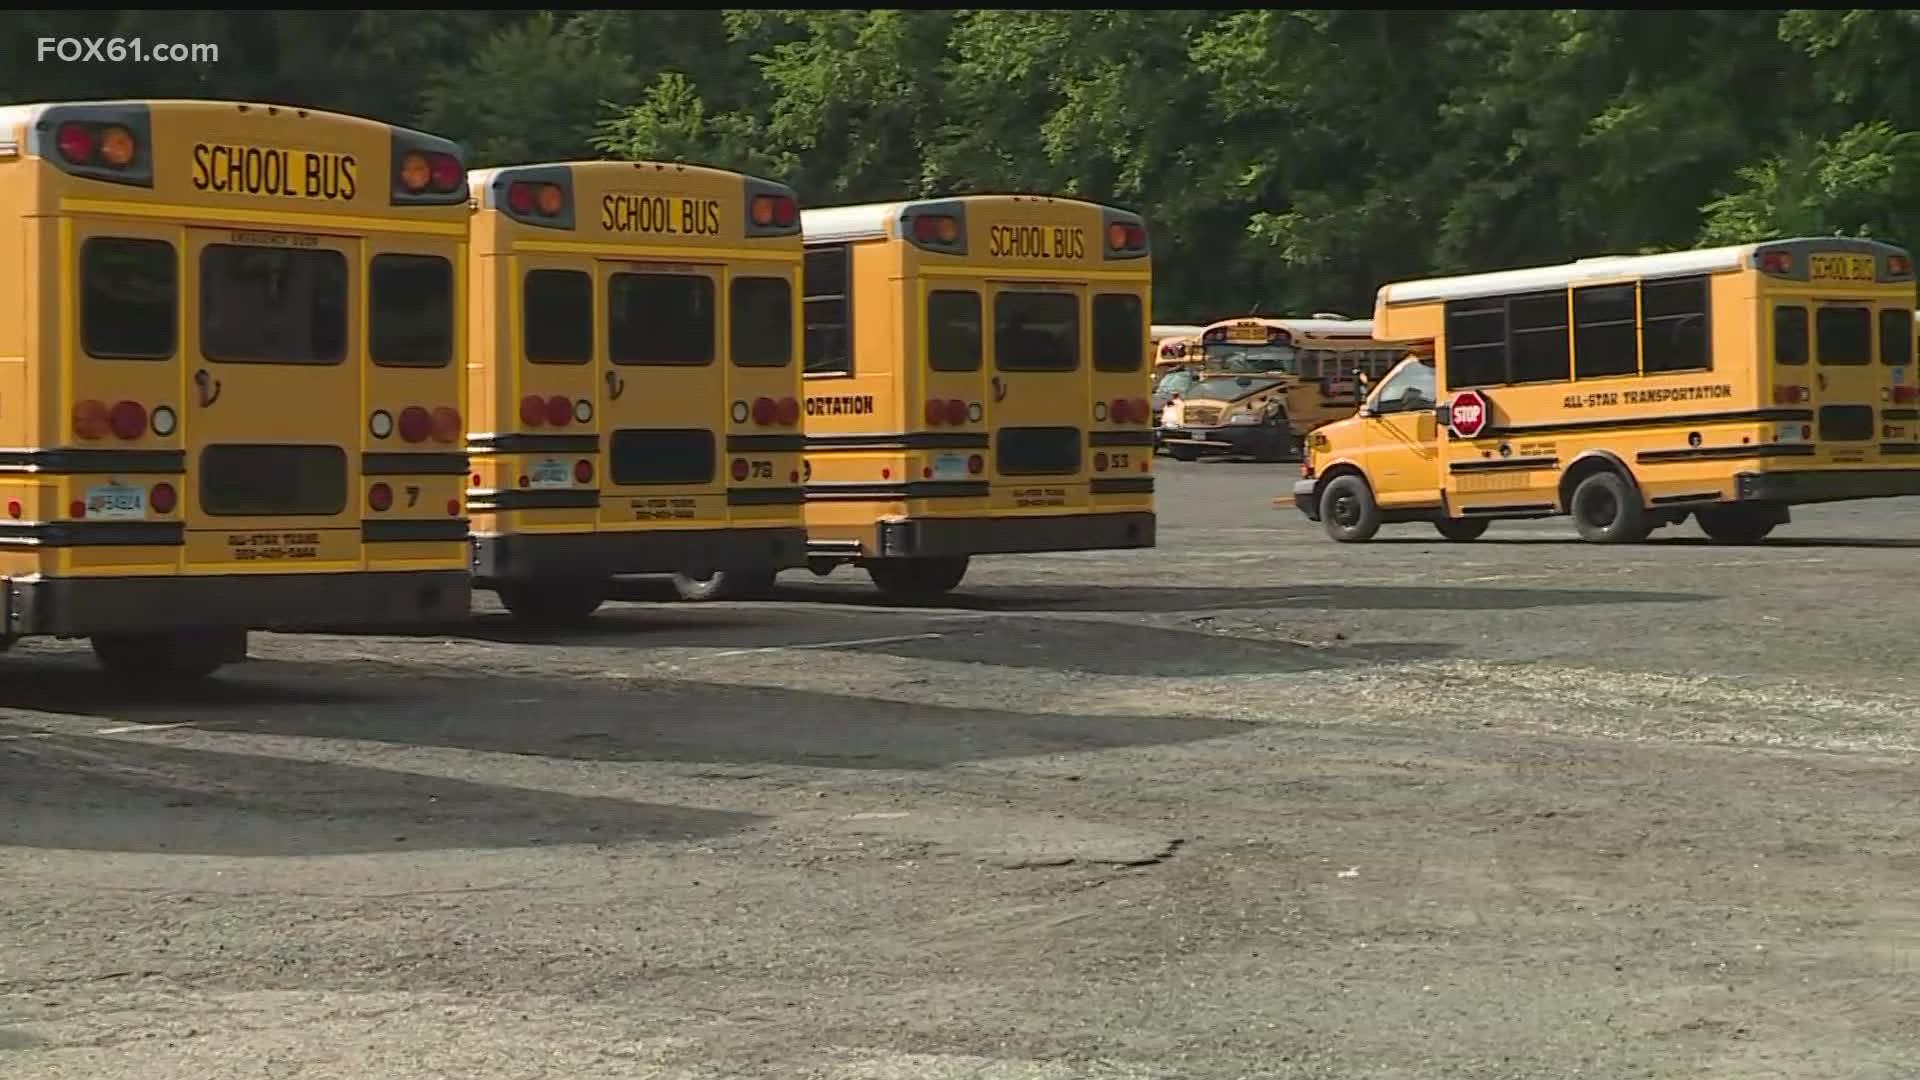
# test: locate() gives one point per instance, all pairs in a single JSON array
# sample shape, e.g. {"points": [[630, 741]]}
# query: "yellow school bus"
{"points": [[232, 381], [977, 383], [634, 390], [1631, 392], [1268, 382]]}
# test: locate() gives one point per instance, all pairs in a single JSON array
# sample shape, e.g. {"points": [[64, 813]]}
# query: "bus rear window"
{"points": [[410, 304], [661, 456], [1790, 336], [660, 320], [129, 297], [1036, 331], [953, 330], [1843, 336], [1118, 341], [760, 315], [556, 316], [272, 480], [1896, 337], [273, 306]]}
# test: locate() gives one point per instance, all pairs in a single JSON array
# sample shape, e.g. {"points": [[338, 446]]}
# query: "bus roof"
{"points": [[1348, 329], [478, 179], [871, 221], [25, 115], [1614, 267], [1162, 331]]}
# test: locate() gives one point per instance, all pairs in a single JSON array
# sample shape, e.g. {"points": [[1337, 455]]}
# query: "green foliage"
{"points": [[1289, 160]]}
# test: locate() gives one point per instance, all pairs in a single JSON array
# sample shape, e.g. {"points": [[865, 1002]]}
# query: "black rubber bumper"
{"points": [[700, 552], [75, 607], [1826, 485], [1303, 499], [937, 537]]}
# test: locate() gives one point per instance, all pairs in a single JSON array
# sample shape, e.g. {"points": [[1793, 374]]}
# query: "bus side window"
{"points": [[827, 286]]}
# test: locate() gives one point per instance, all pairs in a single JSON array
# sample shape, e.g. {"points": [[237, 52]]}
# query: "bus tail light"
{"points": [[380, 498], [415, 172], [936, 412], [1141, 410], [416, 424], [739, 469], [1899, 264], [447, 173], [164, 421], [1776, 262], [559, 411], [778, 210], [936, 229], [583, 472], [1100, 461], [1126, 236], [1906, 395], [520, 198], [526, 198], [788, 413], [117, 147], [533, 410], [976, 464], [764, 411], [128, 419], [446, 425], [75, 142], [956, 412], [90, 419], [1117, 412], [1790, 395], [162, 498]]}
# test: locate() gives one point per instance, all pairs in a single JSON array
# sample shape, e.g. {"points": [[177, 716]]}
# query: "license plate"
{"points": [[950, 467], [116, 502], [1256, 334], [1841, 268], [549, 473]]}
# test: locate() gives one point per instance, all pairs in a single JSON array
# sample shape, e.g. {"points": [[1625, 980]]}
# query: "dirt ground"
{"points": [[1250, 804]]}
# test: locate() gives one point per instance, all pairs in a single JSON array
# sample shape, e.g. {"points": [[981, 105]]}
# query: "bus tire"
{"points": [[553, 603], [917, 580], [1735, 524], [183, 656], [1462, 530], [1347, 509], [726, 585], [1184, 453], [1606, 509]]}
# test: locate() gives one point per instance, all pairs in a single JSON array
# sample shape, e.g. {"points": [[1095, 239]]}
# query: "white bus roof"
{"points": [[874, 221], [1348, 328]]}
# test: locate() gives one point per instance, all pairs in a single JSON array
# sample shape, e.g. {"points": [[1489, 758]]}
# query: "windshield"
{"points": [[1227, 388], [1174, 382], [1254, 359]]}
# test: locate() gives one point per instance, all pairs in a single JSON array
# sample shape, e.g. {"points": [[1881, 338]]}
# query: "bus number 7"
{"points": [[413, 494]]}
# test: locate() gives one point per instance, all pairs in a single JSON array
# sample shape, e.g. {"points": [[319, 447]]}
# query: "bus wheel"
{"points": [[1606, 510], [1735, 524], [1348, 511], [180, 657], [917, 580], [1462, 530], [1184, 453], [726, 585], [553, 603]]}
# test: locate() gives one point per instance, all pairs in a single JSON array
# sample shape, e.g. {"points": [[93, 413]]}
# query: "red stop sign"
{"points": [[1467, 413]]}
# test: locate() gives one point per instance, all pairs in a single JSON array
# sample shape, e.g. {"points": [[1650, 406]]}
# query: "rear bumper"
{"points": [[938, 537], [84, 606], [1303, 499], [1826, 485], [1228, 439], [535, 556]]}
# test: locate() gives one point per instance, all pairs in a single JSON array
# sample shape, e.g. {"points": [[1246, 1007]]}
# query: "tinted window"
{"points": [[410, 320], [760, 312], [828, 337], [953, 330], [1036, 331], [1673, 326], [1605, 341], [1843, 336], [1174, 382], [1411, 389], [1037, 451], [129, 297], [556, 315], [273, 305], [1476, 342], [273, 481], [1896, 337], [1119, 333], [661, 456], [660, 319], [1790, 335], [1228, 387], [1539, 327]]}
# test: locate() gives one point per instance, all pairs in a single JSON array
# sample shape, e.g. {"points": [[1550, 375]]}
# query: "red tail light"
{"points": [[1906, 394], [1899, 264], [1776, 262], [583, 472], [416, 424], [162, 498], [956, 412], [453, 507], [520, 198], [1100, 461], [1123, 236], [90, 419], [789, 412], [1790, 395], [380, 497], [936, 413], [533, 410], [559, 411], [1117, 412], [128, 419], [76, 143], [936, 229], [976, 464], [447, 173], [1141, 410], [739, 469], [764, 411], [446, 425], [774, 210]]}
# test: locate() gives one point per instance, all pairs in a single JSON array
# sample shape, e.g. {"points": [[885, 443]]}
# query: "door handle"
{"points": [[999, 389], [206, 387], [615, 386]]}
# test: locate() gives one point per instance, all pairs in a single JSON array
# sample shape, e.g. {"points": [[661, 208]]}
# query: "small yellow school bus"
{"points": [[977, 383], [1631, 392], [635, 393], [1268, 382], [232, 380]]}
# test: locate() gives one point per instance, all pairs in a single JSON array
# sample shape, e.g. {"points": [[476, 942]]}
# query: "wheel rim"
{"points": [[1346, 511], [1602, 508]]}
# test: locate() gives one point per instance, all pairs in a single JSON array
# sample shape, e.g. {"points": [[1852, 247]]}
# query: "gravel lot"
{"points": [[1250, 804]]}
